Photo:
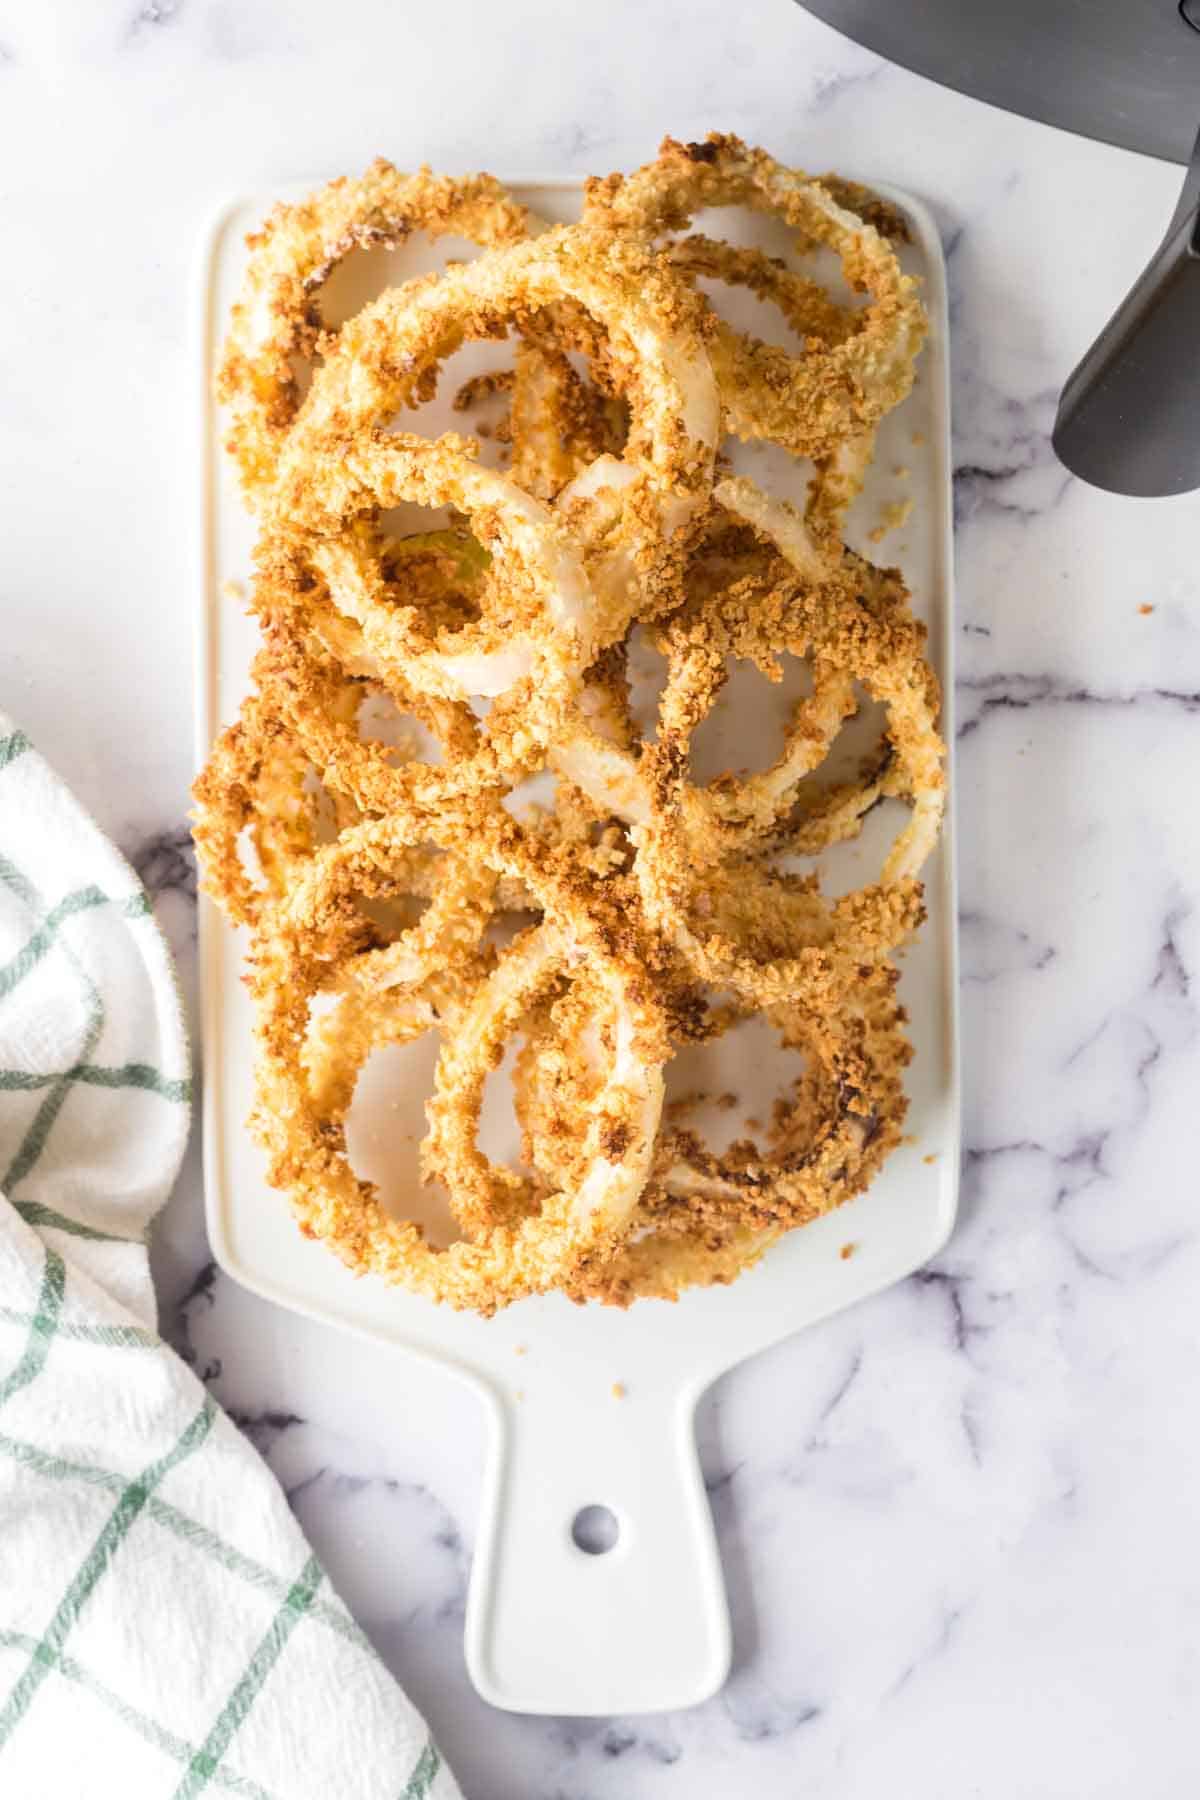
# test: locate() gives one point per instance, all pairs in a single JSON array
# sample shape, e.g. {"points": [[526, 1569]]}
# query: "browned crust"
{"points": [[649, 913]]}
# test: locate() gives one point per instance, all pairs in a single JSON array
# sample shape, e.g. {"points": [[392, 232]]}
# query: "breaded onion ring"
{"points": [[276, 320], [256, 779], [306, 1145], [388, 358], [649, 910], [810, 402], [533, 656], [542, 628], [706, 1216], [883, 647]]}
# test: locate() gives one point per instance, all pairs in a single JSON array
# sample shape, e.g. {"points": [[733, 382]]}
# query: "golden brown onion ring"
{"points": [[808, 403], [538, 626], [388, 358], [876, 639], [275, 319], [705, 1216], [307, 1148], [257, 779]]}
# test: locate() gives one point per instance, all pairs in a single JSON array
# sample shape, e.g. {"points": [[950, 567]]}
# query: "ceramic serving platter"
{"points": [[591, 1406]]}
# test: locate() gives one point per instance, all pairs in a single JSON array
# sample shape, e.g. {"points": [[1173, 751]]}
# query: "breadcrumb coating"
{"points": [[395, 882]]}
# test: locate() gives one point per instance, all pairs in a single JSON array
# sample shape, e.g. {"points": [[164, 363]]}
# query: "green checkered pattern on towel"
{"points": [[164, 1629]]}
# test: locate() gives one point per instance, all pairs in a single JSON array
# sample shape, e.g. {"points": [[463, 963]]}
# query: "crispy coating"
{"points": [[704, 1217], [874, 635], [276, 320], [744, 601], [560, 422], [388, 357], [256, 780], [300, 1122], [807, 403], [394, 863]]}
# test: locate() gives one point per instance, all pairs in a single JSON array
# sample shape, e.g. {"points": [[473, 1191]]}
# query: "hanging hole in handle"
{"points": [[595, 1530]]}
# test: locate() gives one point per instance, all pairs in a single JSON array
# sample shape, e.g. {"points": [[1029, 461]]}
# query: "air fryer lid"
{"points": [[1124, 71]]}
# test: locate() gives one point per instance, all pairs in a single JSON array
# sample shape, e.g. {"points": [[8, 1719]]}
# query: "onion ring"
{"points": [[772, 938], [705, 1217], [535, 673], [293, 255], [389, 355], [807, 403], [547, 625], [306, 1148], [883, 646], [256, 779], [649, 907]]}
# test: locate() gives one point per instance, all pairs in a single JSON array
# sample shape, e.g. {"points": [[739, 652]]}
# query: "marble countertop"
{"points": [[959, 1521]]}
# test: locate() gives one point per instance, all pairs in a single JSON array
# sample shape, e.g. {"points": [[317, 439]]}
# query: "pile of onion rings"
{"points": [[368, 816]]}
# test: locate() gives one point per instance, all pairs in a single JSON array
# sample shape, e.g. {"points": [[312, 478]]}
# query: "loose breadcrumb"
{"points": [[894, 515]]}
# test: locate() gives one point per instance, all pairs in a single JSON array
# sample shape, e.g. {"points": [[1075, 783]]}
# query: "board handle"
{"points": [[556, 1626]]}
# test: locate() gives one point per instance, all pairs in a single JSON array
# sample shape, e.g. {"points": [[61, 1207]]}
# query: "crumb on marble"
{"points": [[234, 591], [619, 1390], [931, 1158], [1145, 608], [520, 1349], [847, 1251]]}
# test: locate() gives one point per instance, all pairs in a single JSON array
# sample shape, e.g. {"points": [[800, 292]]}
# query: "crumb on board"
{"points": [[618, 1390], [901, 471], [1145, 608], [698, 1097], [892, 517], [847, 1251], [918, 437]]}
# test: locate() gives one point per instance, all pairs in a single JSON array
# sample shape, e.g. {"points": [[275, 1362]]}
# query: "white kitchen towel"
{"points": [[165, 1631]]}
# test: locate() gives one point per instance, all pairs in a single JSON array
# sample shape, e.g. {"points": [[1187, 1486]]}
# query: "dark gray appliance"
{"points": [[1126, 72]]}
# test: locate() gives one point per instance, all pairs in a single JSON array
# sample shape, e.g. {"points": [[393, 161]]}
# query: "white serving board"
{"points": [[549, 1628]]}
